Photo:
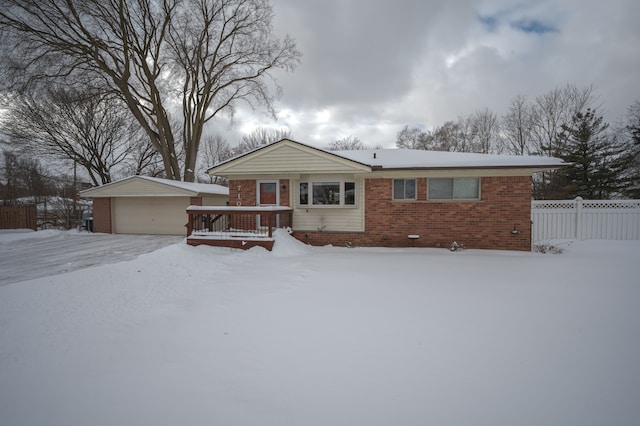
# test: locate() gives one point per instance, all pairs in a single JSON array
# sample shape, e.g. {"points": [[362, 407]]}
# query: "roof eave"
{"points": [[536, 168], [181, 192]]}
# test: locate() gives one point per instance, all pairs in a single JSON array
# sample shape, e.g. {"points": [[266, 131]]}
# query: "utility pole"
{"points": [[74, 214]]}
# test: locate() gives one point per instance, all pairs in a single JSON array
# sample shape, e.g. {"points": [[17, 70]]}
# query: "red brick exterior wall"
{"points": [[489, 223], [242, 192], [195, 201], [285, 188], [102, 215], [505, 205]]}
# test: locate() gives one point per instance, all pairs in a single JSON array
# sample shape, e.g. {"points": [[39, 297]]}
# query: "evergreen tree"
{"points": [[632, 130], [596, 159]]}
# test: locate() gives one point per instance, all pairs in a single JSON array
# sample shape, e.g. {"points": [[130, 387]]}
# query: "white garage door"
{"points": [[150, 215]]}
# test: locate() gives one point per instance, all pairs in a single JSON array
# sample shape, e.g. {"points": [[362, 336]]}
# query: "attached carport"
{"points": [[148, 205]]}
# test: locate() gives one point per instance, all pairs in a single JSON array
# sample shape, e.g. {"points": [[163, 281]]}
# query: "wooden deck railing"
{"points": [[229, 223]]}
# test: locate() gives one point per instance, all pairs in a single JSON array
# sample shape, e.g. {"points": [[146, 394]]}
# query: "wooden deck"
{"points": [[236, 227]]}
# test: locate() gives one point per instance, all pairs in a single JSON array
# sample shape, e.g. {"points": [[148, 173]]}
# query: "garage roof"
{"points": [[146, 186]]}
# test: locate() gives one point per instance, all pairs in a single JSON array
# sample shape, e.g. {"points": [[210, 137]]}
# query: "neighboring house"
{"points": [[391, 197], [147, 205]]}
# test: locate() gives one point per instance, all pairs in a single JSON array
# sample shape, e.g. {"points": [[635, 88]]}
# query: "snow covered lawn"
{"points": [[328, 336]]}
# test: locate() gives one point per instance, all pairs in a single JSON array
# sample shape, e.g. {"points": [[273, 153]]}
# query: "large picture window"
{"points": [[404, 189], [327, 193], [454, 189]]}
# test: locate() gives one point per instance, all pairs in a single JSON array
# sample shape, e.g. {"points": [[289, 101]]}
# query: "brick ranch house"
{"points": [[390, 197]]}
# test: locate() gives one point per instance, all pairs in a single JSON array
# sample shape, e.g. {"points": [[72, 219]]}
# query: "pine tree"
{"points": [[596, 159], [632, 130]]}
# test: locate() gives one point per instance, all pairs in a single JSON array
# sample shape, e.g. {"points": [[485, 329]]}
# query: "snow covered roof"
{"points": [[421, 159], [152, 186], [201, 188], [376, 159]]}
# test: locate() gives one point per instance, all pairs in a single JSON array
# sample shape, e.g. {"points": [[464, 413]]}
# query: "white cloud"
{"points": [[370, 67]]}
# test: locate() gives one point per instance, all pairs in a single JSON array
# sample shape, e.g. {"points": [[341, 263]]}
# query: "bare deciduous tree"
{"points": [[349, 143], [215, 149], [450, 136], [143, 159], [478, 132], [485, 131], [551, 111], [412, 138], [517, 126], [261, 136], [205, 55], [24, 177], [12, 188], [93, 130], [464, 141], [554, 109], [447, 137]]}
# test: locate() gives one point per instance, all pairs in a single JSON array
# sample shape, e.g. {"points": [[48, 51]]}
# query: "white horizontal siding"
{"points": [[285, 159], [215, 200], [137, 188], [326, 219], [330, 219]]}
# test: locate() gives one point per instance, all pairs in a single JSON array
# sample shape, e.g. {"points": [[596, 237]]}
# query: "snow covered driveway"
{"points": [[26, 255]]}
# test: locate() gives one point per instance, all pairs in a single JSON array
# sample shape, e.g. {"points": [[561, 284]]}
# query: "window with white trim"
{"points": [[404, 189], [350, 193], [453, 189], [304, 193], [314, 193]]}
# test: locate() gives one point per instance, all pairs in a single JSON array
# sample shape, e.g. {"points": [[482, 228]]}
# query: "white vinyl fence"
{"points": [[585, 219]]}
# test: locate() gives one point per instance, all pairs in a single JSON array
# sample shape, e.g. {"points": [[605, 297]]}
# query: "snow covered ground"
{"points": [[328, 336], [25, 254]]}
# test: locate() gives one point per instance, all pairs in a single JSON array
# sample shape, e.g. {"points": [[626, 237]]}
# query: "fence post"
{"points": [[579, 218]]}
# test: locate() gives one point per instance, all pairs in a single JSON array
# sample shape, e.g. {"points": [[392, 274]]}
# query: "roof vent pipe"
{"points": [[374, 155]]}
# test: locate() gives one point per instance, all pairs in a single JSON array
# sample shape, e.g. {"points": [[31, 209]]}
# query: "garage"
{"points": [[147, 205], [150, 215]]}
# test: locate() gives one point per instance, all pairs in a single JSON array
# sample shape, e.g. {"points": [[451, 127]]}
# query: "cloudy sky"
{"points": [[369, 67]]}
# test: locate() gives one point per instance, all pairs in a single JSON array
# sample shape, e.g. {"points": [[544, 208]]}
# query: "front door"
{"points": [[267, 196]]}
